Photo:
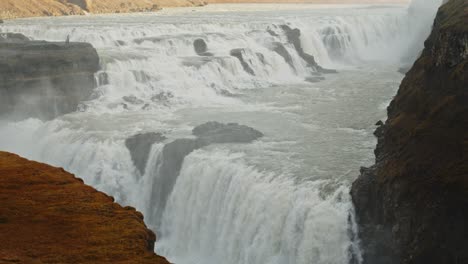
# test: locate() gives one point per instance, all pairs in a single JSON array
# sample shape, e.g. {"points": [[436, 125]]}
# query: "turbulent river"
{"points": [[282, 199]]}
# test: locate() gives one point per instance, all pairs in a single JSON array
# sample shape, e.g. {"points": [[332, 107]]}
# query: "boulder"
{"points": [[201, 48], [215, 132]]}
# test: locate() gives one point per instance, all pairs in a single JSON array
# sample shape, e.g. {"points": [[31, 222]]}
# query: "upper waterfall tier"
{"points": [[152, 62]]}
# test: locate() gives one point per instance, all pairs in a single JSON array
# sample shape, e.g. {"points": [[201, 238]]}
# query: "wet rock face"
{"points": [[412, 205], [12, 37], [201, 48], [214, 132], [294, 38], [240, 55], [140, 146], [174, 153], [44, 79], [283, 52]]}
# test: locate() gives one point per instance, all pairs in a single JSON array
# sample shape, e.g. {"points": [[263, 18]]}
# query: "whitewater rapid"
{"points": [[282, 199]]}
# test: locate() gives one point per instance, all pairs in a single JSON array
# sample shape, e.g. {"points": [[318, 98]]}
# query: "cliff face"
{"points": [[49, 216], [412, 205], [32, 8], [44, 79]]}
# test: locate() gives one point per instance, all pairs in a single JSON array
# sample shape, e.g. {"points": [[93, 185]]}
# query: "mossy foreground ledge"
{"points": [[412, 205], [49, 216]]}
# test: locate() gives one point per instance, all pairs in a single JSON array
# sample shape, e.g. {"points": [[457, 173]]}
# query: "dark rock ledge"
{"points": [[412, 205], [44, 79], [173, 154]]}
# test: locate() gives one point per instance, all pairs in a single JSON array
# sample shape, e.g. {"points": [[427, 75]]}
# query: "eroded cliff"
{"points": [[412, 205], [49, 216], [44, 79]]}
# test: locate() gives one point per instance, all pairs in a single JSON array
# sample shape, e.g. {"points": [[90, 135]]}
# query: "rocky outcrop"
{"points": [[174, 153], [49, 216], [241, 56], [201, 48], [294, 38], [140, 146], [44, 79], [283, 52], [412, 205]]}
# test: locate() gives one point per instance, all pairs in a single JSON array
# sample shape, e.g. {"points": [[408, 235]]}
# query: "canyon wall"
{"points": [[412, 205], [49, 216]]}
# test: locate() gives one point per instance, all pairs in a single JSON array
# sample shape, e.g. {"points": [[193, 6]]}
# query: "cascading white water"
{"points": [[156, 57], [237, 214], [281, 200]]}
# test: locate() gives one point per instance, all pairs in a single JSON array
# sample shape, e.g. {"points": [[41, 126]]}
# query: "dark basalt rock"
{"points": [[214, 132], [132, 99], [174, 153], [412, 205], [294, 38], [283, 52], [201, 48], [239, 54], [12, 37], [102, 78], [314, 79], [140, 145], [272, 33], [44, 79]]}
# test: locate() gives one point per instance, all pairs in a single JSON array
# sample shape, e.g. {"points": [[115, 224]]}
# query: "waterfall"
{"points": [[257, 203], [152, 64], [233, 213]]}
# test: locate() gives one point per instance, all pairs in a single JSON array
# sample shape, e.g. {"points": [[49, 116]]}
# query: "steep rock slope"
{"points": [[412, 205], [49, 216], [44, 79]]}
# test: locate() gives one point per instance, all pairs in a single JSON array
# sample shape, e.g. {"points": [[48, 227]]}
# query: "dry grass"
{"points": [[33, 8]]}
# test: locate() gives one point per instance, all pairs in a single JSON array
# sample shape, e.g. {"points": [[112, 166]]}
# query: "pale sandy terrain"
{"points": [[313, 1], [32, 8]]}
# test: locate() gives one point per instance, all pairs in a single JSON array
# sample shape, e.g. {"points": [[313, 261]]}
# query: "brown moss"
{"points": [[49, 216]]}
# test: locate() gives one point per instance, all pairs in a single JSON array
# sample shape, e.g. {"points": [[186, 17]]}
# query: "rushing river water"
{"points": [[282, 199]]}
